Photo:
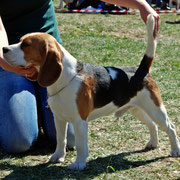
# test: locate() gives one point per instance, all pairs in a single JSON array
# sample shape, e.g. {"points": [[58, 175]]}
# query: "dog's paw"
{"points": [[55, 158], [77, 166], [175, 152], [151, 145]]}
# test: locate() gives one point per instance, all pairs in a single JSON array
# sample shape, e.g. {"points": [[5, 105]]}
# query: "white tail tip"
{"points": [[151, 44]]}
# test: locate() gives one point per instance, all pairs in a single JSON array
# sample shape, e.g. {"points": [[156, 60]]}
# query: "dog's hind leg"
{"points": [[158, 114], [81, 139], [61, 129], [144, 118]]}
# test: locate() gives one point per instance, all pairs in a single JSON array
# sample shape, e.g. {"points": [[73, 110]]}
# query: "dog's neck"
{"points": [[68, 73]]}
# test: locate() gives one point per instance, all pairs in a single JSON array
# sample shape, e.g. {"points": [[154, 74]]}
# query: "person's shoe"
{"points": [[165, 6]]}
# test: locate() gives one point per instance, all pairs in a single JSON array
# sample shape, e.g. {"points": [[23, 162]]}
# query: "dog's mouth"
{"points": [[9, 59]]}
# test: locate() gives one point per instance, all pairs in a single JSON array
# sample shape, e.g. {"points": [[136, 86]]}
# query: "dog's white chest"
{"points": [[63, 104]]}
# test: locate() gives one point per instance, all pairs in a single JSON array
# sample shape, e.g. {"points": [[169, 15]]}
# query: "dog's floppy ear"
{"points": [[51, 69]]}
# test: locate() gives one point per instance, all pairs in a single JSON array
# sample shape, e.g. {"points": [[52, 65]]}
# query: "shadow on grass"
{"points": [[96, 167], [173, 22], [46, 170]]}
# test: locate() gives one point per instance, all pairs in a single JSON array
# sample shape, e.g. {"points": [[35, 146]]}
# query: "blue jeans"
{"points": [[22, 103]]}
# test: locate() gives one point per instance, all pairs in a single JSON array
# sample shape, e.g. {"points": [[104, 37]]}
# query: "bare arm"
{"points": [[4, 42], [144, 8]]}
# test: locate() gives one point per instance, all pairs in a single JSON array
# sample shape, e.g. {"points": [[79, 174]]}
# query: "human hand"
{"points": [[157, 25], [28, 71], [144, 14], [144, 8], [33, 73]]}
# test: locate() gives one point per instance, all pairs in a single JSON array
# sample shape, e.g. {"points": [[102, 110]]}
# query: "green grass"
{"points": [[115, 144]]}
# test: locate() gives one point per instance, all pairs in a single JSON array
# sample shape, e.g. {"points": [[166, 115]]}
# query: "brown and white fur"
{"points": [[81, 92]]}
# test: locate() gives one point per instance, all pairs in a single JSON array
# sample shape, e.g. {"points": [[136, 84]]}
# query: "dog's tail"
{"points": [[148, 58]]}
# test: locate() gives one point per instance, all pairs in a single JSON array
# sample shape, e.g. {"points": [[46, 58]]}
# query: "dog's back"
{"points": [[118, 85]]}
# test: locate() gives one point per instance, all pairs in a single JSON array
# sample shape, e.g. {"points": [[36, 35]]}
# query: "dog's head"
{"points": [[40, 50]]}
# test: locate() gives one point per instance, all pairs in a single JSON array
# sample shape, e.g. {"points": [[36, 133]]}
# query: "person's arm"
{"points": [[144, 8], [19, 70]]}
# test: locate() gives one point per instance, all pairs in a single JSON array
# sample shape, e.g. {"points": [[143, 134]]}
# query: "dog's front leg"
{"points": [[61, 131], [81, 138]]}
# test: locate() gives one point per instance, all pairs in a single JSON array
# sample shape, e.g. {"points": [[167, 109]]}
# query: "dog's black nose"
{"points": [[5, 50]]}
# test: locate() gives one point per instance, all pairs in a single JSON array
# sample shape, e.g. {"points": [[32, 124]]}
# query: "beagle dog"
{"points": [[79, 92]]}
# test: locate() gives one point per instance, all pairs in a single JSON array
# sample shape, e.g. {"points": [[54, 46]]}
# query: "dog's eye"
{"points": [[25, 44]]}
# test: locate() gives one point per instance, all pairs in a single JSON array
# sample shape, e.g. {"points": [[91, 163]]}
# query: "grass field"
{"points": [[115, 144]]}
